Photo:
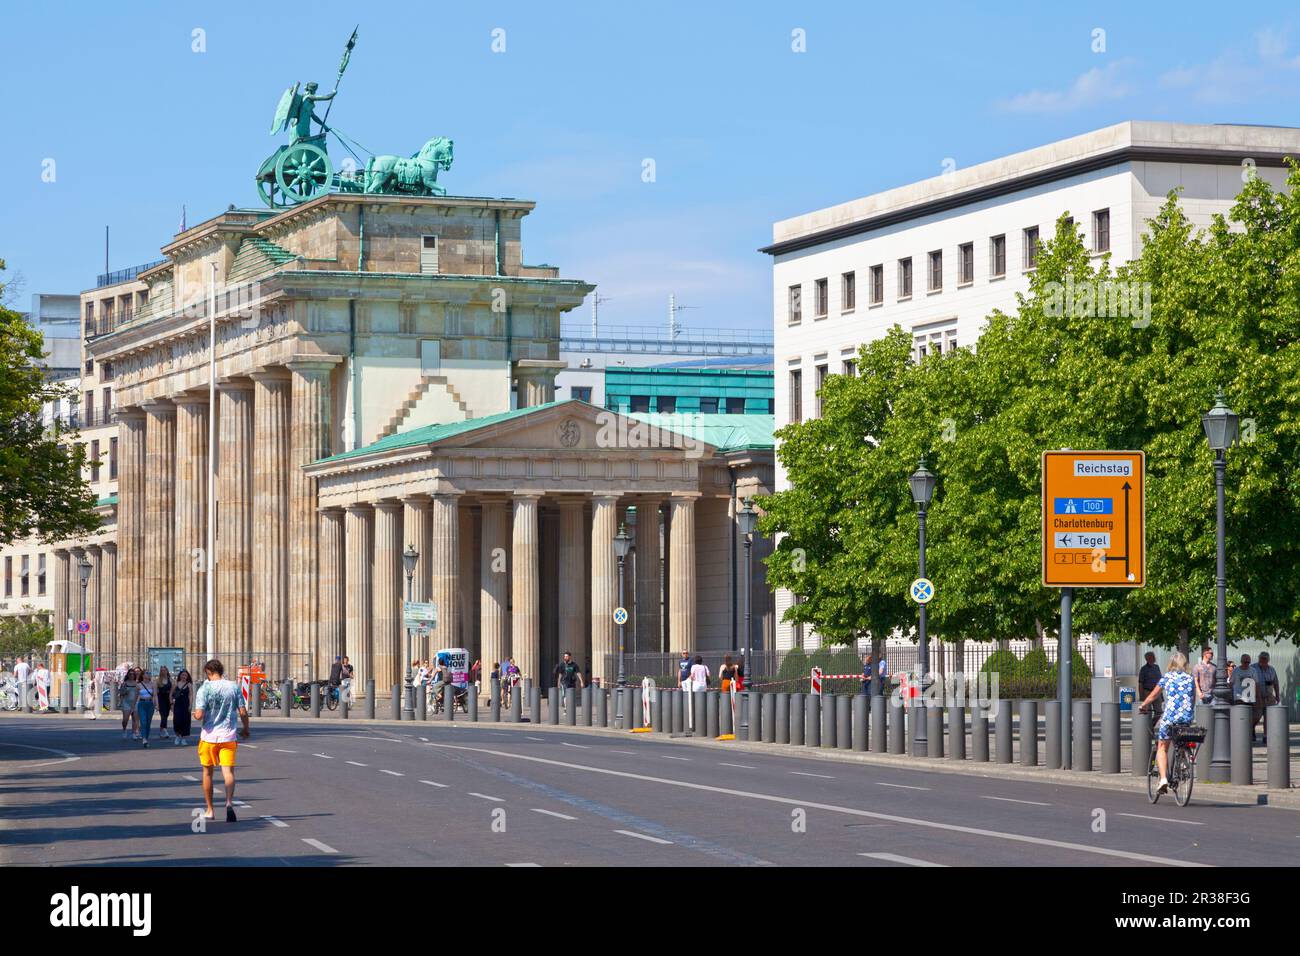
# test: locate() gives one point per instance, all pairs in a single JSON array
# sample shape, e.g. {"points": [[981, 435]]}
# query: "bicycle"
{"points": [[270, 696], [1185, 739], [10, 696], [330, 696]]}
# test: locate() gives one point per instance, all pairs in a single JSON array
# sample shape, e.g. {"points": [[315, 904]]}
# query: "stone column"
{"points": [[390, 583], [358, 643], [467, 586], [649, 637], [271, 526], [130, 533], [333, 605], [415, 532], [159, 522], [493, 586], [108, 603], [94, 611], [444, 568], [525, 617], [548, 519], [573, 581], [309, 440], [234, 598], [681, 578], [604, 585], [189, 567], [59, 590]]}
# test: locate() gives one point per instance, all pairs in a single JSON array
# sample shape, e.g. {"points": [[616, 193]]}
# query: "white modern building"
{"points": [[937, 256]]}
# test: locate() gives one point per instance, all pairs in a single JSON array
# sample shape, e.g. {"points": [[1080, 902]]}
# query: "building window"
{"points": [[796, 395], [905, 278], [428, 255], [640, 403], [1101, 230], [94, 460], [850, 368], [112, 458], [90, 366], [105, 371], [848, 291], [736, 406], [40, 575], [796, 304], [934, 339], [90, 319], [1031, 248], [90, 409], [822, 372], [581, 393], [666, 403], [771, 406], [877, 284], [9, 576], [823, 301], [936, 271], [966, 263], [708, 405], [997, 256], [24, 590]]}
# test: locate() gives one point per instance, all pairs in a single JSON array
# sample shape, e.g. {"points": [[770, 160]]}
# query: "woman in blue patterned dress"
{"points": [[1178, 688]]}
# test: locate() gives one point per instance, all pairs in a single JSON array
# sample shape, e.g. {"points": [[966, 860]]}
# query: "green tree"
{"points": [[42, 491]]}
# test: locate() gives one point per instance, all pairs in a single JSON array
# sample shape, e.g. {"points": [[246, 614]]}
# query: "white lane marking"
{"points": [[531, 737], [279, 751], [252, 746], [552, 813], [1143, 816], [895, 858], [326, 756], [800, 773], [425, 739], [356, 764], [630, 753], [900, 786], [433, 784], [484, 796], [742, 766], [667, 757], [323, 847], [241, 803], [1032, 803], [393, 773], [644, 836], [190, 777], [564, 743], [833, 808], [274, 822], [523, 864], [65, 756]]}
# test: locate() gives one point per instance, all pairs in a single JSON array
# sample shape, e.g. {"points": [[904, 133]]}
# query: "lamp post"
{"points": [[84, 568], [747, 518], [922, 485], [410, 557], [622, 544], [1220, 424]]}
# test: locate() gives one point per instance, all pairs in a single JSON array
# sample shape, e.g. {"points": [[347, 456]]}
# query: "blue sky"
{"points": [[742, 129]]}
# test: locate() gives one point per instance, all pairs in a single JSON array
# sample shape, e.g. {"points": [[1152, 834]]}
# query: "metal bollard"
{"points": [[828, 721], [934, 731], [494, 700], [66, 705], [256, 692], [553, 706], [725, 724], [534, 705], [1029, 733], [397, 702], [1002, 727], [315, 699], [860, 724], [712, 721], [957, 733], [370, 699], [344, 707], [844, 721], [781, 717], [286, 698], [1139, 744], [1205, 718], [768, 721], [449, 703], [1277, 735], [897, 726], [754, 703], [1052, 718], [879, 724], [516, 713], [679, 711], [571, 706], [1109, 737], [979, 734], [527, 684], [586, 705], [114, 703], [657, 712], [1243, 744], [812, 721], [1081, 740], [473, 704], [699, 713], [602, 706]]}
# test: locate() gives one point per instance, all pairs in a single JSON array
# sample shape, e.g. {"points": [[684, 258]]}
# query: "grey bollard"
{"points": [[345, 708], [553, 706], [534, 705], [1052, 718], [1002, 728], [934, 731], [1205, 718], [571, 706], [812, 721], [1029, 733], [587, 716], [828, 721], [473, 704], [315, 700], [754, 714], [957, 733], [1139, 744], [897, 726], [700, 713], [796, 718], [494, 700], [286, 698], [114, 703], [256, 692], [526, 683], [657, 712], [781, 718], [448, 703], [1081, 737], [397, 701], [878, 725], [860, 713], [844, 722], [1243, 740], [679, 711], [713, 719], [1109, 737], [769, 718], [725, 724], [1278, 735], [516, 713], [602, 706], [370, 699], [979, 734], [66, 705]]}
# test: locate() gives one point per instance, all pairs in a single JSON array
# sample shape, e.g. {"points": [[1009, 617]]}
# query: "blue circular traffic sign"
{"points": [[922, 590]]}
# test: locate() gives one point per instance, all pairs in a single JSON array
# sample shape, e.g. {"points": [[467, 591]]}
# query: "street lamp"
{"points": [[1220, 424], [410, 558], [922, 485], [747, 519], [622, 544], [84, 568]]}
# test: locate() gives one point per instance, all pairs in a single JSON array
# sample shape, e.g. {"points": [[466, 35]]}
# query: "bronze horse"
{"points": [[417, 174]]}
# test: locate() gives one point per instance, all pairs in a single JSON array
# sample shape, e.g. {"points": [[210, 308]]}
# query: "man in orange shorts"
{"points": [[216, 707]]}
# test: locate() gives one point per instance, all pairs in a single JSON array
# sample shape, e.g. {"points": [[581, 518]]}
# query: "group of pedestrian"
{"points": [[1254, 684], [140, 696], [693, 674], [33, 682], [341, 675], [870, 666]]}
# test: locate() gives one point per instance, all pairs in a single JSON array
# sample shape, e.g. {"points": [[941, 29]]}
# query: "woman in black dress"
{"points": [[182, 691], [164, 684]]}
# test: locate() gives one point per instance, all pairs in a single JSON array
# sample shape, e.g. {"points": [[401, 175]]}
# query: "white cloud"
{"points": [[1098, 85], [1240, 73]]}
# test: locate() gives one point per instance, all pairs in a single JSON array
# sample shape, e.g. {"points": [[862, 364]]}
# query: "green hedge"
{"points": [[1034, 676]]}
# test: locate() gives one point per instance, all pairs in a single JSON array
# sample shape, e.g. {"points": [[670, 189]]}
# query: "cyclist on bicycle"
{"points": [[510, 677], [1178, 688]]}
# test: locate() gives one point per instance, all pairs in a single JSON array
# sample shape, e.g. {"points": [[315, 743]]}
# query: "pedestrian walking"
{"points": [[700, 674], [22, 677], [127, 698], [684, 669], [1243, 672], [145, 704], [1267, 692], [336, 671], [164, 687], [1204, 673], [867, 663], [346, 675], [219, 707], [181, 693], [726, 674], [1148, 676]]}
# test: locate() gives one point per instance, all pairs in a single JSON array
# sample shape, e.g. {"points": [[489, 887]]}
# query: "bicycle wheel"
{"points": [[332, 700], [1182, 773], [1153, 777]]}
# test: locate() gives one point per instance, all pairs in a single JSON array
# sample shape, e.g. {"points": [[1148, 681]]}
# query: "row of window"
{"points": [[24, 576], [709, 405], [95, 462], [934, 271]]}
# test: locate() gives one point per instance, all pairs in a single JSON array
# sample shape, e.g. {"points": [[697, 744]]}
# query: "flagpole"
{"points": [[212, 461]]}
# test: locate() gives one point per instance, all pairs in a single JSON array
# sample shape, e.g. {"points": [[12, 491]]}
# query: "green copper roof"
{"points": [[105, 502], [724, 432]]}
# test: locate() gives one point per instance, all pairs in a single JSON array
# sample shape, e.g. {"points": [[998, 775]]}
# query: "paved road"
{"points": [[73, 792]]}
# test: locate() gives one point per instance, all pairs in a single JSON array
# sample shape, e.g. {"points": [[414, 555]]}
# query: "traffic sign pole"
{"points": [[1063, 664]]}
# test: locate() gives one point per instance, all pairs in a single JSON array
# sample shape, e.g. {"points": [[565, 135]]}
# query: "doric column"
{"points": [[389, 638], [235, 526], [309, 440], [444, 566], [525, 617], [271, 526], [604, 585], [189, 567], [493, 585], [548, 580], [360, 533], [649, 638], [573, 581], [159, 522], [108, 603], [681, 577], [333, 606], [130, 533], [59, 589], [94, 610], [467, 582]]}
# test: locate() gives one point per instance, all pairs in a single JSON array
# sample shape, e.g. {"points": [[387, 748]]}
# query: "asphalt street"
{"points": [[72, 792]]}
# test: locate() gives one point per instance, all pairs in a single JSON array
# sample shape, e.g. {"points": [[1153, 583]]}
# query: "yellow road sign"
{"points": [[1094, 519]]}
